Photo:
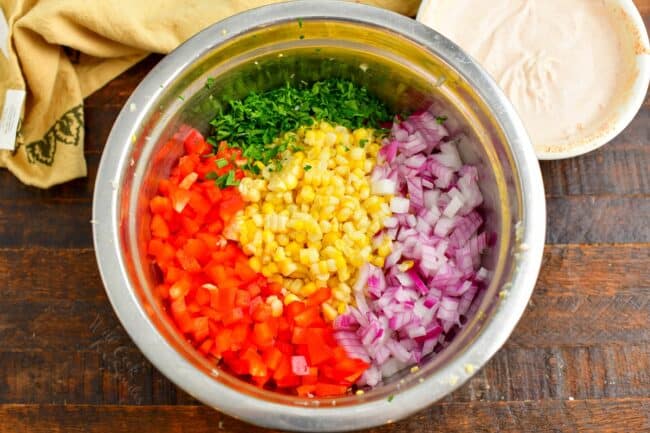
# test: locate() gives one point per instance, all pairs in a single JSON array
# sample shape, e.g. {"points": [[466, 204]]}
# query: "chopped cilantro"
{"points": [[300, 22], [390, 398], [302, 36], [253, 124], [363, 142], [307, 167], [347, 149], [209, 83], [230, 180], [211, 175], [441, 119], [226, 180], [221, 162], [181, 97]]}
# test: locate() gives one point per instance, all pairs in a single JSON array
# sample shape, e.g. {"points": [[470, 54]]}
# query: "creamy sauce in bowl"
{"points": [[566, 65]]}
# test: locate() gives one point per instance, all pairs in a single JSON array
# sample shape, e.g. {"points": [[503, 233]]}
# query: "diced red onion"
{"points": [[400, 315], [384, 187], [299, 366], [399, 205]]}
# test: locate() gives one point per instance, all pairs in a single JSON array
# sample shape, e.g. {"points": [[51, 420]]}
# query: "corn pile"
{"points": [[312, 223]]}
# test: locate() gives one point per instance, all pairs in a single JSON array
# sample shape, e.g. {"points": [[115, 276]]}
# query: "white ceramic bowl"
{"points": [[637, 35]]}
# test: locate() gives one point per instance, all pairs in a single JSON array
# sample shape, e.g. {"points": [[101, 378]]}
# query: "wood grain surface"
{"points": [[579, 360]]}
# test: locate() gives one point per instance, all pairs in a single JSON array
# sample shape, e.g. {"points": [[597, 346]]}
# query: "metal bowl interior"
{"points": [[407, 65]]}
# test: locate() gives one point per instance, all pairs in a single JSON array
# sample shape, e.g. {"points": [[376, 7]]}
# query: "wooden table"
{"points": [[579, 360]]}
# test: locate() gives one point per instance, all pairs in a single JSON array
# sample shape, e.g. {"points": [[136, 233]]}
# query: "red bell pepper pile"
{"points": [[218, 302]]}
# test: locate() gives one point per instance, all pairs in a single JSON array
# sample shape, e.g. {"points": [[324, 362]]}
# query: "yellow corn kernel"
{"points": [[282, 239], [291, 182], [300, 237], [269, 269], [288, 299], [279, 254], [341, 296], [385, 248], [306, 194], [255, 263], [287, 267], [267, 208], [308, 289], [340, 262], [329, 313], [267, 236], [344, 214], [308, 256], [292, 249], [405, 265], [378, 261]]}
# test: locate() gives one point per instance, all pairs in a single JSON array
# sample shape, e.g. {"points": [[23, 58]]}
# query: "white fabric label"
{"points": [[10, 115], [4, 34]]}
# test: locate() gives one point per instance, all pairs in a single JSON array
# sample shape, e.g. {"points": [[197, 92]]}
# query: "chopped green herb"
{"points": [[227, 179], [347, 149], [211, 175], [253, 123], [300, 22], [209, 83], [302, 36], [221, 162], [307, 167], [181, 97], [230, 180], [441, 119], [390, 398], [363, 142]]}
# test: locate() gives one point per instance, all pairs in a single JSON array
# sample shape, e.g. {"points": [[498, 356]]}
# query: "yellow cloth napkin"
{"points": [[60, 51]]}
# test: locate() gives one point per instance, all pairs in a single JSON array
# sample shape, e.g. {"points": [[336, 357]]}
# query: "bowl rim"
{"points": [[132, 315], [630, 106]]}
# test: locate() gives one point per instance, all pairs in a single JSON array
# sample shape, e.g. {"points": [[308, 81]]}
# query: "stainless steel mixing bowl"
{"points": [[410, 67]]}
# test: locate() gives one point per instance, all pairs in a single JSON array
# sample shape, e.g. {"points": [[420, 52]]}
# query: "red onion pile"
{"points": [[430, 280]]}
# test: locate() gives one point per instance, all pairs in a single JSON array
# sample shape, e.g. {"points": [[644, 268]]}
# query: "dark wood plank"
{"points": [[601, 219], [54, 324], [560, 373], [51, 273], [583, 321], [51, 222], [105, 374], [606, 416], [100, 121], [594, 270]]}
